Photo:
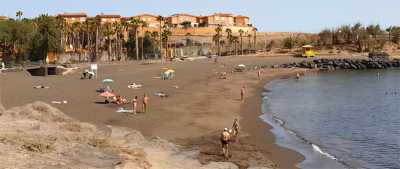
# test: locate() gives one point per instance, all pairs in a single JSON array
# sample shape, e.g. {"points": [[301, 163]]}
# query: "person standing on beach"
{"points": [[134, 105], [259, 74], [225, 137], [145, 103], [242, 93]]}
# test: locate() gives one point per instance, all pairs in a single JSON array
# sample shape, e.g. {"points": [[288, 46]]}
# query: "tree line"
{"points": [[358, 37], [234, 45], [25, 39]]}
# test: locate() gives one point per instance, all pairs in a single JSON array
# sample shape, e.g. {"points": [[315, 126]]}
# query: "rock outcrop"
{"points": [[40, 136], [334, 64]]}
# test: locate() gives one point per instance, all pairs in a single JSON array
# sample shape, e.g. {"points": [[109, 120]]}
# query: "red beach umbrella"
{"points": [[107, 94]]}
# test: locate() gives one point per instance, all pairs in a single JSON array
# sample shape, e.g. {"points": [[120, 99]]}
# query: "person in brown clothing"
{"points": [[145, 103]]}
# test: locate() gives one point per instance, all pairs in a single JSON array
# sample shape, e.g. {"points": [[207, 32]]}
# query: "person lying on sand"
{"points": [[161, 94], [41, 87], [119, 100]]}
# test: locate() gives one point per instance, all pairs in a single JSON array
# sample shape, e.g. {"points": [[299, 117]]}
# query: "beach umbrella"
{"points": [[107, 94], [108, 81]]}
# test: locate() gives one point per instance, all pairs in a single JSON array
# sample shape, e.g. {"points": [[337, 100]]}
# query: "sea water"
{"points": [[340, 119]]}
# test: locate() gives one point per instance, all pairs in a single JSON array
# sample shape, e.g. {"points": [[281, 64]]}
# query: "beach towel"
{"points": [[122, 110], [135, 86]]}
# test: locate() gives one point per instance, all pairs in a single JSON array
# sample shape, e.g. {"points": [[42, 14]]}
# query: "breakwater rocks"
{"points": [[334, 64]]}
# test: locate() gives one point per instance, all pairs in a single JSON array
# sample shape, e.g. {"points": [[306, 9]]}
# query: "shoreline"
{"points": [[264, 138]]}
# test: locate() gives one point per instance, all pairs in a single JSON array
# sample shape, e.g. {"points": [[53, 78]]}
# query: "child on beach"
{"points": [[145, 103]]}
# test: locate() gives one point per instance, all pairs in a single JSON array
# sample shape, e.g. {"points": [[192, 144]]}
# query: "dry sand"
{"points": [[192, 116]]}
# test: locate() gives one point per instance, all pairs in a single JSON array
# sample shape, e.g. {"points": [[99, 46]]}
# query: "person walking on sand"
{"points": [[145, 103], [134, 105], [242, 93], [225, 137], [235, 127]]}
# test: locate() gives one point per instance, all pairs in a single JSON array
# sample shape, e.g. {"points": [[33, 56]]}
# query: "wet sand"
{"points": [[192, 116]]}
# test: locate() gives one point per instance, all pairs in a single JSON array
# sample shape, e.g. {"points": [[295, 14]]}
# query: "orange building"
{"points": [[73, 17], [103, 18], [218, 19], [242, 20], [177, 19], [151, 20]]}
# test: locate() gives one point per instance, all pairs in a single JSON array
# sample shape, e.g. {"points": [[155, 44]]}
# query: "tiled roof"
{"points": [[80, 14], [183, 14], [145, 14], [108, 16], [222, 14], [241, 16]]}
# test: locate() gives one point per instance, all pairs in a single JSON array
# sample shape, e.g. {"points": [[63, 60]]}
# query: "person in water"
{"points": [[298, 76]]}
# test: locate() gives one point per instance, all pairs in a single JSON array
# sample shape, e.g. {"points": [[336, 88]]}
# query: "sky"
{"points": [[266, 15]]}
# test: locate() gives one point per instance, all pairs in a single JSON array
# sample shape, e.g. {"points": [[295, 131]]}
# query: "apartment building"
{"points": [[176, 20], [71, 18], [241, 20], [151, 20], [107, 18]]}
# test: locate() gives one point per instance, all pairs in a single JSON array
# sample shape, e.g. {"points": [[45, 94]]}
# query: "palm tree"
{"points": [[135, 23], [143, 24], [154, 36], [96, 48], [249, 43], [217, 38], [19, 14], [108, 32], [161, 20], [235, 40], [165, 37], [255, 38], [229, 38], [241, 40], [76, 37], [119, 28]]}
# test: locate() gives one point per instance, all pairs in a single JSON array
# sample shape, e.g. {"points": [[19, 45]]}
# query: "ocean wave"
{"points": [[318, 149], [282, 123]]}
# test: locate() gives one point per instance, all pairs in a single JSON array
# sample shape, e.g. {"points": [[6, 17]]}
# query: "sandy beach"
{"points": [[199, 105]]}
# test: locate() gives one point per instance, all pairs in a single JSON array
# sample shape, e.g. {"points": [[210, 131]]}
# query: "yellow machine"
{"points": [[308, 51]]}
